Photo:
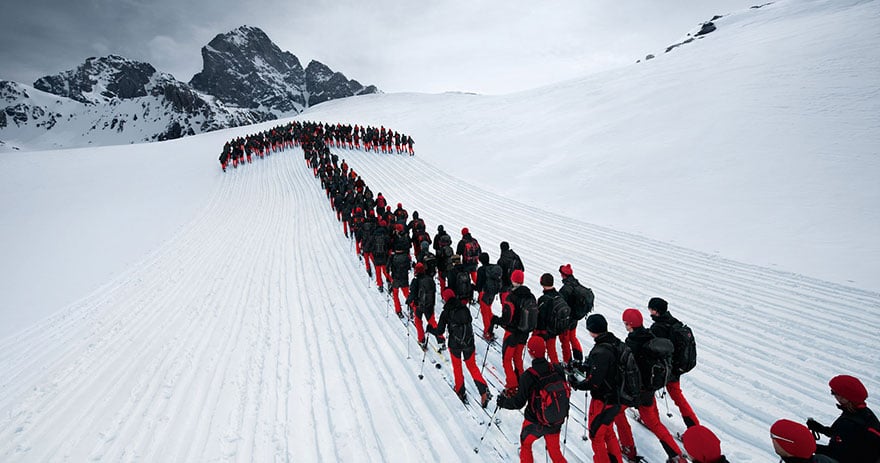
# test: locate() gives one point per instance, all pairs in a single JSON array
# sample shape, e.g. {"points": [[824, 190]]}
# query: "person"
{"points": [[509, 261], [702, 445], [443, 251], [545, 316], [460, 343], [469, 250], [637, 338], [488, 286], [428, 258], [400, 265], [514, 342], [794, 443], [381, 249], [417, 229], [421, 298], [662, 328], [855, 434], [531, 384], [459, 280], [571, 345], [601, 380]]}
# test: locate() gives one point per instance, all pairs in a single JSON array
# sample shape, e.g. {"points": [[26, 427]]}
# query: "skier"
{"points": [[662, 328], [514, 338], [578, 298], [855, 434], [400, 265], [422, 296], [702, 445], [469, 250], [508, 261], [428, 259], [648, 413], [381, 251], [488, 286], [540, 381], [545, 327], [459, 280], [457, 318], [602, 380], [443, 251]]}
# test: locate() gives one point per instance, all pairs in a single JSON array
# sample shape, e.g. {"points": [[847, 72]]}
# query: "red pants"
{"points": [[486, 312], [474, 277], [674, 390], [420, 330], [380, 269], [368, 257], [396, 294], [532, 432], [604, 441], [651, 417], [513, 360], [569, 341], [442, 279], [472, 367]]}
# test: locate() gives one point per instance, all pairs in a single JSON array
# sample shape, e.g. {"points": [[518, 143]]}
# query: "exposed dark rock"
{"points": [[706, 28], [121, 79]]}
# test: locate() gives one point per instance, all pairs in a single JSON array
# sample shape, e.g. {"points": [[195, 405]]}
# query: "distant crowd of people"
{"points": [[243, 150], [623, 377]]}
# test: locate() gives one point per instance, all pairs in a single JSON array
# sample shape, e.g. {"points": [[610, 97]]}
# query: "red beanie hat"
{"points": [[517, 277], [565, 270], [447, 294], [850, 388], [701, 444], [419, 268], [464, 231], [794, 438], [633, 317], [537, 347]]}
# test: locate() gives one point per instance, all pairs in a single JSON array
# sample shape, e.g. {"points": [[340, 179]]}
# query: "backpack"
{"points": [[463, 285], [628, 383], [657, 363], [493, 279], [560, 316], [550, 399], [685, 357], [461, 330], [380, 246], [471, 252], [427, 291], [580, 300], [527, 316]]}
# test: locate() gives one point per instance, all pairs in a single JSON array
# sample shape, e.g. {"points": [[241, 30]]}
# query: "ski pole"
{"points": [[491, 420], [407, 338], [586, 417], [422, 368], [666, 401], [565, 433], [485, 357]]}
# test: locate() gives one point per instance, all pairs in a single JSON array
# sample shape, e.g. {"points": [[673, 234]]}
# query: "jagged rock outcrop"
{"points": [[245, 68]]}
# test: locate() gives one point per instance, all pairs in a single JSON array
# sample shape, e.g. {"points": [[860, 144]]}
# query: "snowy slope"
{"points": [[156, 309]]}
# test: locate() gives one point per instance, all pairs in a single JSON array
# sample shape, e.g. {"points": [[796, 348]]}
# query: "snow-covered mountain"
{"points": [[244, 68], [172, 312], [113, 100]]}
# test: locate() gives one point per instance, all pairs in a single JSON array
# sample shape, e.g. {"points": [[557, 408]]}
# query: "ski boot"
{"points": [[381, 288], [485, 398], [423, 344], [462, 395]]}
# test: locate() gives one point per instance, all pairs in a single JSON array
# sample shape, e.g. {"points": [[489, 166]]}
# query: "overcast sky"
{"points": [[424, 46]]}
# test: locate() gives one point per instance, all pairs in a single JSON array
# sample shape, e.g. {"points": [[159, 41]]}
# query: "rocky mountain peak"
{"points": [[100, 80]]}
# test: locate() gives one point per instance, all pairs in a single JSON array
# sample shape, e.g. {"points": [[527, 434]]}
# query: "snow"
{"points": [[157, 309]]}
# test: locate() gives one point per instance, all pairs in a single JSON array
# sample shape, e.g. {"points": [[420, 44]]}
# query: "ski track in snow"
{"points": [[255, 334]]}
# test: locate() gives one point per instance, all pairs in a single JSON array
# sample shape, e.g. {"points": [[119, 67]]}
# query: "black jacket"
{"points": [[662, 328], [422, 294], [545, 311], [509, 261], [603, 369], [457, 317], [854, 437]]}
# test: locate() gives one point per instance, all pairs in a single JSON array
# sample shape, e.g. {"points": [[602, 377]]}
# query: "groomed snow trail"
{"points": [[256, 335]]}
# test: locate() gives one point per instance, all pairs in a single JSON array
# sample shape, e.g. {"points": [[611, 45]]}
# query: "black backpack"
{"points": [[560, 316], [657, 363], [628, 381], [527, 316], [380, 245], [427, 291], [580, 300], [471, 252], [461, 328], [493, 279], [550, 398], [685, 357], [463, 285]]}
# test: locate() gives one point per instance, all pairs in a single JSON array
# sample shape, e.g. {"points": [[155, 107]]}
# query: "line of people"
{"points": [[391, 244], [243, 150]]}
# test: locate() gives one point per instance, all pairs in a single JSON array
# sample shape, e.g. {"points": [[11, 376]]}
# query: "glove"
{"points": [[499, 401], [815, 426]]}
